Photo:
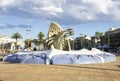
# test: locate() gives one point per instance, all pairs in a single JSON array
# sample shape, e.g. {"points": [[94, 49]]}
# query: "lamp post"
{"points": [[81, 35], [28, 32], [73, 43], [108, 39]]}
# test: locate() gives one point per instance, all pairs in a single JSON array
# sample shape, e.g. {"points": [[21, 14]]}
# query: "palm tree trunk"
{"points": [[16, 41]]}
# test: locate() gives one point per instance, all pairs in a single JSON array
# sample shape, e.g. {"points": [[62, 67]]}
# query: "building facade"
{"points": [[113, 37], [82, 42]]}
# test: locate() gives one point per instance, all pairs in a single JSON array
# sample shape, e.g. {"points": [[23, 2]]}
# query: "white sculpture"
{"points": [[12, 48], [58, 38]]}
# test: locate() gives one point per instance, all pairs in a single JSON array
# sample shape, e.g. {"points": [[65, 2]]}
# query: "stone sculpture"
{"points": [[58, 38]]}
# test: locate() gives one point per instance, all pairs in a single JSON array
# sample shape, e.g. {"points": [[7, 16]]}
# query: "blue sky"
{"points": [[84, 16]]}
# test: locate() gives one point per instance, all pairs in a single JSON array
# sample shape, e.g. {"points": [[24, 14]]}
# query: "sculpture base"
{"points": [[55, 56]]}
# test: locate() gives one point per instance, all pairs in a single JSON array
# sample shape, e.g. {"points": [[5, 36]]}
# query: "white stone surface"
{"points": [[55, 56]]}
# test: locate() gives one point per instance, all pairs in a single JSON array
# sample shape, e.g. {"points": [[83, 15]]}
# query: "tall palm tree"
{"points": [[99, 36], [16, 36], [40, 37], [40, 40]]}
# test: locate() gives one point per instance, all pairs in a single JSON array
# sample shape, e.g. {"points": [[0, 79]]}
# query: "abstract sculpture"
{"points": [[58, 38]]}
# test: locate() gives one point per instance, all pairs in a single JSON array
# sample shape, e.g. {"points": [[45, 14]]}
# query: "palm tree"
{"points": [[16, 36], [41, 40], [99, 36], [40, 37], [28, 43]]}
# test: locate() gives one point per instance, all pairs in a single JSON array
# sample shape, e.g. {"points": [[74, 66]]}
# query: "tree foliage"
{"points": [[99, 34], [40, 35], [16, 36], [40, 38]]}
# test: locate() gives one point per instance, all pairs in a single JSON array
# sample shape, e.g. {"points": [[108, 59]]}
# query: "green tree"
{"points": [[99, 35], [16, 36], [41, 40], [28, 43], [40, 37]]}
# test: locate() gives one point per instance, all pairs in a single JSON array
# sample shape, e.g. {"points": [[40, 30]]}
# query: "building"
{"points": [[6, 43], [113, 37], [83, 41], [77, 43]]}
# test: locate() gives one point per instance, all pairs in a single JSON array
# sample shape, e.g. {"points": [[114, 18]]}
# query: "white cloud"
{"points": [[6, 2], [52, 9], [63, 11], [99, 6]]}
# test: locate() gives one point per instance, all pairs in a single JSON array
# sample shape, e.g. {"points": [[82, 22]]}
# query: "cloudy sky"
{"points": [[84, 16]]}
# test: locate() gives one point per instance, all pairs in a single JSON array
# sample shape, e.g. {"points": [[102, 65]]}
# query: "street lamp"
{"points": [[81, 35], [73, 42], [108, 39], [28, 32]]}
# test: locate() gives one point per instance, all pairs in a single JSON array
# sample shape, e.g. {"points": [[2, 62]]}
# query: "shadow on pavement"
{"points": [[89, 67]]}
